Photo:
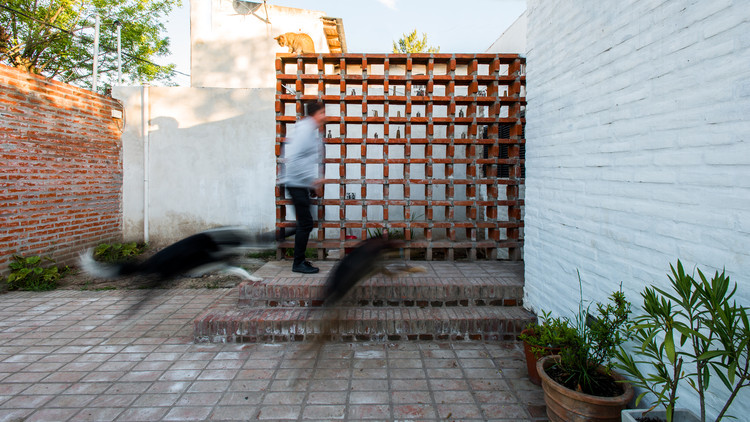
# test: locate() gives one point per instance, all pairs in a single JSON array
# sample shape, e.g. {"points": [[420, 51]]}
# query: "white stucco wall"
{"points": [[637, 149], [234, 50], [211, 160], [513, 40]]}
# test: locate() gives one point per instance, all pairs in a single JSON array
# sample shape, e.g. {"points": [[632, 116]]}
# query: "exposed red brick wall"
{"points": [[60, 168]]}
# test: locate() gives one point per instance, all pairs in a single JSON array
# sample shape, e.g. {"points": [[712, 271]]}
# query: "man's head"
{"points": [[317, 111]]}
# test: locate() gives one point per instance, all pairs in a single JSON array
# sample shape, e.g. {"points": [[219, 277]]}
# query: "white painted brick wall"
{"points": [[638, 149]]}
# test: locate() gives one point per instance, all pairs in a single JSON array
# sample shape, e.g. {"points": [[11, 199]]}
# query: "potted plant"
{"points": [[713, 334], [579, 383], [544, 338]]}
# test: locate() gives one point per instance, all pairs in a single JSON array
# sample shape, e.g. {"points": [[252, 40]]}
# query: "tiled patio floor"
{"points": [[111, 356]]}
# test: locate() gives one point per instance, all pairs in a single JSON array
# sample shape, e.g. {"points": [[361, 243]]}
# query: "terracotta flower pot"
{"points": [[531, 357], [564, 404]]}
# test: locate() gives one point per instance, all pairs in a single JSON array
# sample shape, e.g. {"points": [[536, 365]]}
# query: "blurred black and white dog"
{"points": [[206, 252]]}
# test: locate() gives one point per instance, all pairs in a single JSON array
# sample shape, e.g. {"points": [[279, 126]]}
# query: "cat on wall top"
{"points": [[298, 43]]}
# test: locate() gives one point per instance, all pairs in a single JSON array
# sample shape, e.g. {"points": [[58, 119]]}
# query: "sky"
{"points": [[371, 26]]}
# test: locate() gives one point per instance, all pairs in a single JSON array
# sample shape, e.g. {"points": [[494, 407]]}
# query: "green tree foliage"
{"points": [[55, 38], [411, 43]]}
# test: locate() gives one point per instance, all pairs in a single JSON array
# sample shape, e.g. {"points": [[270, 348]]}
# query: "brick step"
{"points": [[250, 325], [386, 291]]}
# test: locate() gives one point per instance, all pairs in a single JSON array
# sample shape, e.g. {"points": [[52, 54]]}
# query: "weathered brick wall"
{"points": [[638, 153], [60, 168]]}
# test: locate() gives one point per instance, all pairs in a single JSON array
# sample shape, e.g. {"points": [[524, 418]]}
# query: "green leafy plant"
{"points": [[118, 251], [690, 333], [595, 344], [28, 274], [548, 333]]}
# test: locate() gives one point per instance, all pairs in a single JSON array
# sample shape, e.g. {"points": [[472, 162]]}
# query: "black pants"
{"points": [[301, 201]]}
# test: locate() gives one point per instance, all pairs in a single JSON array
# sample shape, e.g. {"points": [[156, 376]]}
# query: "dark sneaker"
{"points": [[305, 268]]}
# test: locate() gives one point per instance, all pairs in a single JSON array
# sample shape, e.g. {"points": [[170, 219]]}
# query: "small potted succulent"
{"points": [[687, 335]]}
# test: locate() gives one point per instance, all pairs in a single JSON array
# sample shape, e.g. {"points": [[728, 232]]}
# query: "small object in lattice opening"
{"points": [[376, 135], [419, 114], [398, 133], [354, 92], [460, 113], [375, 113], [329, 133], [398, 113]]}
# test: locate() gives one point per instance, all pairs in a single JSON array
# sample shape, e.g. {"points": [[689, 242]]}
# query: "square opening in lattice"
{"points": [[353, 89], [417, 171], [353, 151], [459, 193], [376, 69], [459, 171], [483, 69], [398, 69], [373, 89], [440, 69], [461, 90], [331, 170], [333, 110], [374, 151], [395, 171], [439, 111], [396, 151], [439, 90], [375, 212], [289, 212], [438, 171], [395, 213], [310, 68], [374, 171], [354, 110], [438, 151], [418, 69], [483, 111], [522, 91], [352, 191], [374, 191], [310, 89], [504, 110], [290, 109], [353, 212], [503, 70], [438, 192], [417, 213], [502, 90], [353, 69], [417, 192], [419, 90], [418, 151], [331, 68], [459, 213], [396, 131], [375, 110], [482, 90], [375, 131], [353, 171], [440, 131], [418, 130], [353, 131], [459, 151], [331, 212], [333, 89], [439, 234], [332, 131], [462, 70], [290, 68], [396, 192], [462, 111], [396, 110], [398, 90]]}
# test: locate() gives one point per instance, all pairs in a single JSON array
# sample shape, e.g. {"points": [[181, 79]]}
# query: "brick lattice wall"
{"points": [[428, 146], [60, 168]]}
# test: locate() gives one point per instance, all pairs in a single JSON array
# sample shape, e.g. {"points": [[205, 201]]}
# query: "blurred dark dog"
{"points": [[368, 258], [202, 253]]}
